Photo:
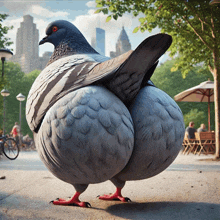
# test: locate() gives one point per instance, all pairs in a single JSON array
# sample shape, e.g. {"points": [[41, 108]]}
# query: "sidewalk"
{"points": [[188, 189]]}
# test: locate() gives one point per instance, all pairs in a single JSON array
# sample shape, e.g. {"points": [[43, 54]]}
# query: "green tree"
{"points": [[195, 116], [4, 41], [12, 82], [194, 26], [16, 82]]}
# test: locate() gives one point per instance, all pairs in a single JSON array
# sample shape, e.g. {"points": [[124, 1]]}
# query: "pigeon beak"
{"points": [[44, 40]]}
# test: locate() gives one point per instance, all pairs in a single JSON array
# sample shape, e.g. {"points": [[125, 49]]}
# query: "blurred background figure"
{"points": [[201, 128], [27, 140], [16, 132], [190, 130]]}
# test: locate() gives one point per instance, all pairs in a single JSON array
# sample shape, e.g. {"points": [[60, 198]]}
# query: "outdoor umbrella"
{"points": [[204, 92]]}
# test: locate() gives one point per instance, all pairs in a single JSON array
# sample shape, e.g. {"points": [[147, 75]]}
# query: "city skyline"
{"points": [[122, 45], [80, 13], [98, 41], [27, 50]]}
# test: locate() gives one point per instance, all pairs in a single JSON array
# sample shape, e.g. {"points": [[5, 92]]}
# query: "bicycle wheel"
{"points": [[10, 149]]}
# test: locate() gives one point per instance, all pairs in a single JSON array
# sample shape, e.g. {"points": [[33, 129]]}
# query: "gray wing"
{"points": [[86, 137], [122, 75], [159, 131], [63, 76]]}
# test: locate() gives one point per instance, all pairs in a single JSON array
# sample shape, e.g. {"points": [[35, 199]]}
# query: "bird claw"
{"points": [[114, 198], [57, 199], [88, 205], [127, 199], [123, 199], [68, 203]]}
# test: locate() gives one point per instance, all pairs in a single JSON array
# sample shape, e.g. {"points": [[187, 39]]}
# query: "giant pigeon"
{"points": [[96, 119]]}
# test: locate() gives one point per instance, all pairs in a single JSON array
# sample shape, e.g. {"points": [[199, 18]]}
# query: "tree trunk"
{"points": [[216, 74], [217, 107]]}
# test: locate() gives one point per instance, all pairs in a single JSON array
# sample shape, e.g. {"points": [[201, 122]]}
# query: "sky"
{"points": [[80, 13]]}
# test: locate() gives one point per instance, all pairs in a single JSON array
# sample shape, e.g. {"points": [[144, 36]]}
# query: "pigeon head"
{"points": [[66, 38], [60, 30]]}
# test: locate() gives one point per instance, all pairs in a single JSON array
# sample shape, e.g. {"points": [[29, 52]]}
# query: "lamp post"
{"points": [[4, 93], [5, 54], [20, 98]]}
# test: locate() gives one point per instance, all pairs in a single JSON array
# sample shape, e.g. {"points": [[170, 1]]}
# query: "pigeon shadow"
{"points": [[166, 210]]}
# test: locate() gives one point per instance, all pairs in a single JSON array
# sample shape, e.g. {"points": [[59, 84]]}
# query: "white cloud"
{"points": [[91, 4], [17, 7], [43, 12]]}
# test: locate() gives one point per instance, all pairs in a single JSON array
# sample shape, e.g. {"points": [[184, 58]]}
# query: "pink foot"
{"points": [[116, 196], [74, 201]]}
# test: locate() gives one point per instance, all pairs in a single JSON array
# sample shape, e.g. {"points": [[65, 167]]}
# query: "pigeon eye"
{"points": [[54, 29]]}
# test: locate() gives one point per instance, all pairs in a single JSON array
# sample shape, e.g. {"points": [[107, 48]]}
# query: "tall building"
{"points": [[98, 41], [123, 44], [27, 48]]}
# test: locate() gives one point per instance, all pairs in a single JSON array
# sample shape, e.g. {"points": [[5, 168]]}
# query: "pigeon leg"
{"points": [[73, 201], [116, 196]]}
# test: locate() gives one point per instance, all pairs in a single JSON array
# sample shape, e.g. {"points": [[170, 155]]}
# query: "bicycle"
{"points": [[9, 147]]}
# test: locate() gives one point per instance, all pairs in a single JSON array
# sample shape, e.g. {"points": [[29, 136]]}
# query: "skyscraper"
{"points": [[123, 44], [27, 48], [98, 41]]}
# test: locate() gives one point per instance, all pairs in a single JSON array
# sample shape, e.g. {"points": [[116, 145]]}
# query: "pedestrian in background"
{"points": [[16, 132]]}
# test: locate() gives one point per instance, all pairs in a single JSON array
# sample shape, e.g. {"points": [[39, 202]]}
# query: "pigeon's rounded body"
{"points": [[86, 137], [159, 131], [78, 111]]}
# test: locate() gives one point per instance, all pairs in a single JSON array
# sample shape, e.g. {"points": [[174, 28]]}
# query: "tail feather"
{"points": [[140, 65], [150, 72]]}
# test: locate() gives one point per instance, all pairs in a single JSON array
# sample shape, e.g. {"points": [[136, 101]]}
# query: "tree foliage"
{"points": [[16, 81], [198, 117], [4, 41], [194, 26]]}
